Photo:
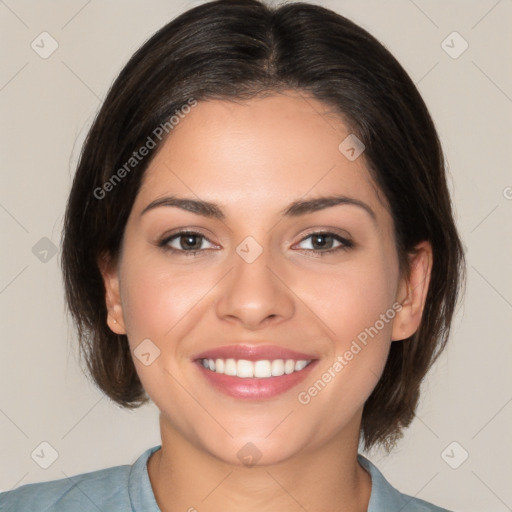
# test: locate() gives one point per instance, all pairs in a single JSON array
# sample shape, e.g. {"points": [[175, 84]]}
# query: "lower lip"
{"points": [[253, 388]]}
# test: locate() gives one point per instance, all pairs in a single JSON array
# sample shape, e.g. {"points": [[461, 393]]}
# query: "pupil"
{"points": [[317, 240], [191, 238]]}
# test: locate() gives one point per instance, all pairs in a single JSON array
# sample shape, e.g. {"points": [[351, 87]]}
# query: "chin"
{"points": [[257, 451]]}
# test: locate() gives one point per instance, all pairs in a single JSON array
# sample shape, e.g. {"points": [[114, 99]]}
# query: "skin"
{"points": [[253, 159]]}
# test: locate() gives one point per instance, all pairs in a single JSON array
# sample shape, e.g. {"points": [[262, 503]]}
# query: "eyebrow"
{"points": [[295, 209]]}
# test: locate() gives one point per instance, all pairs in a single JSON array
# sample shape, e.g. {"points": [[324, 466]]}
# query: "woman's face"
{"points": [[266, 282]]}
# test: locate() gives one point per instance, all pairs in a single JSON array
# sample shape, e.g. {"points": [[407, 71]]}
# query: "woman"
{"points": [[259, 238]]}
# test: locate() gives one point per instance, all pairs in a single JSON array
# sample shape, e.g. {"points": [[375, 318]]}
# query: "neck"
{"points": [[186, 478]]}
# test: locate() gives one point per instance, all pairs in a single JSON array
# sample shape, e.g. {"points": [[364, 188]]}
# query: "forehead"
{"points": [[258, 154]]}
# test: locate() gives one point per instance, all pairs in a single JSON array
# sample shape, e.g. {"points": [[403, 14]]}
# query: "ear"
{"points": [[412, 292], [110, 274]]}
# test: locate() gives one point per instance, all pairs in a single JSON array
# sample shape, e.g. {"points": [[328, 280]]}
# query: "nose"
{"points": [[255, 294]]}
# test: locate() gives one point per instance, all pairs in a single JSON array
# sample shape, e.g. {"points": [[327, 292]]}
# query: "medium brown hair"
{"points": [[237, 49]]}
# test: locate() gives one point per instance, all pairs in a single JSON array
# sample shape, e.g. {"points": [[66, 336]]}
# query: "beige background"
{"points": [[46, 107]]}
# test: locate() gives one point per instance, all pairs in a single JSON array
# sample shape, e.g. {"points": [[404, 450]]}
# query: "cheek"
{"points": [[352, 297], [357, 308], [355, 303], [156, 301]]}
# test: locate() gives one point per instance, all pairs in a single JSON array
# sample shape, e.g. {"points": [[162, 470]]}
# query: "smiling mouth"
{"points": [[260, 369]]}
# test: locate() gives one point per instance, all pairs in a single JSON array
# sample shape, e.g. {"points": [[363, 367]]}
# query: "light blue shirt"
{"points": [[128, 489]]}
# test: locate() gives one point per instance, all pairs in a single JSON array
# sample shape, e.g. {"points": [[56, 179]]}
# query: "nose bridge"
{"points": [[252, 293]]}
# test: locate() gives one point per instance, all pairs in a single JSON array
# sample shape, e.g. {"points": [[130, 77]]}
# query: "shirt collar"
{"points": [[383, 495]]}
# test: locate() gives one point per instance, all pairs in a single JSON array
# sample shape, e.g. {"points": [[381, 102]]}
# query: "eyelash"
{"points": [[345, 243]]}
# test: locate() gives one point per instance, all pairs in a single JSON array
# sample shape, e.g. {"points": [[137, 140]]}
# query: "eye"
{"points": [[190, 243], [185, 242], [322, 242]]}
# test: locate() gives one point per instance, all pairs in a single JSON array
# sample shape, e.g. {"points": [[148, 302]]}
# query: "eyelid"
{"points": [[341, 233], [164, 240], [345, 242], [185, 230]]}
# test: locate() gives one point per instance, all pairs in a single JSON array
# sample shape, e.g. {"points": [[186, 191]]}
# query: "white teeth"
{"points": [[299, 365], [230, 367], [261, 369], [244, 368], [289, 366], [277, 368]]}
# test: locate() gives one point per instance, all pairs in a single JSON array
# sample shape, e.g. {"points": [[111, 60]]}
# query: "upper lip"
{"points": [[252, 353]]}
